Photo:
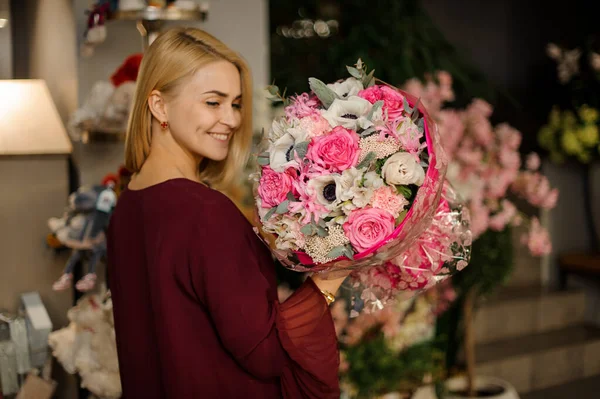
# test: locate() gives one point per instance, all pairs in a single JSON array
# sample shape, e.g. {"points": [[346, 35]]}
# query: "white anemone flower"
{"points": [[348, 88], [351, 113], [281, 154]]}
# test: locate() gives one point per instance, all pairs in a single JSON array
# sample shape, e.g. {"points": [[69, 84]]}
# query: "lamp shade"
{"points": [[29, 121]]}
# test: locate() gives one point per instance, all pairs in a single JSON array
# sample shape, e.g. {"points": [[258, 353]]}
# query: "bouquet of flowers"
{"points": [[352, 174], [443, 249]]}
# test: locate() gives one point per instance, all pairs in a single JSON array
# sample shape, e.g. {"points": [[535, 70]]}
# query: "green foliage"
{"points": [[376, 370], [398, 39]]}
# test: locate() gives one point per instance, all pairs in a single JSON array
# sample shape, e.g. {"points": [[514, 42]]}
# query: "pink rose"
{"points": [[273, 187], [337, 151], [393, 101], [366, 227]]}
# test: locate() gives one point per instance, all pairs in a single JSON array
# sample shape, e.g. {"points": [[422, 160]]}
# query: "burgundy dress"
{"points": [[195, 304]]}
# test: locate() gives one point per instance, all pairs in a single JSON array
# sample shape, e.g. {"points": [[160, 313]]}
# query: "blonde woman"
{"points": [[194, 289]]}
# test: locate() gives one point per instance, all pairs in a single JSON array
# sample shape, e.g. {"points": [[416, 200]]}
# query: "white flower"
{"points": [[553, 51], [352, 193], [347, 88], [279, 127], [465, 188], [281, 155], [323, 189], [288, 233], [372, 180], [351, 113], [402, 168]]}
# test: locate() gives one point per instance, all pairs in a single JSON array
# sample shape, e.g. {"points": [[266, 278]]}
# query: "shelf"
{"points": [[160, 14]]}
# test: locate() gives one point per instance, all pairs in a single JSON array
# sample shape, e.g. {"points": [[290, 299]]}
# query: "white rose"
{"points": [[402, 168], [347, 88]]}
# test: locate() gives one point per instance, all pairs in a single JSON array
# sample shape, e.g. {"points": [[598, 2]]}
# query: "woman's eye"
{"points": [[212, 104], [237, 106]]}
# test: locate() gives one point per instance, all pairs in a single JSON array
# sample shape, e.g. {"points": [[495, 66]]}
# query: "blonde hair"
{"points": [[175, 55]]}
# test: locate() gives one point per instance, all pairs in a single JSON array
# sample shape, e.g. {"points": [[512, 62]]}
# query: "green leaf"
{"points": [[415, 112], [270, 213], [290, 197], [322, 223], [401, 217], [308, 230], [367, 161], [337, 252], [376, 107], [301, 149], [354, 72], [263, 161], [407, 108], [322, 232], [324, 93], [283, 207], [273, 90], [367, 132], [405, 191], [368, 80], [421, 125], [349, 252]]}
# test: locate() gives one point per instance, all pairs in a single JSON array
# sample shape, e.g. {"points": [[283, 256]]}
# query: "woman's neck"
{"points": [[167, 160]]}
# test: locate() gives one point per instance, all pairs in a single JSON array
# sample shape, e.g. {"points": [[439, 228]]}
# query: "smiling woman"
{"points": [[194, 289]]}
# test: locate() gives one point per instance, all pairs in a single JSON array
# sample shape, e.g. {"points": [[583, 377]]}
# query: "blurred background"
{"points": [[521, 321]]}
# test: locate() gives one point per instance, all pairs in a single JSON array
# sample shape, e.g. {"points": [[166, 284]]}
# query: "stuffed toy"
{"points": [[108, 105], [90, 243], [88, 346]]}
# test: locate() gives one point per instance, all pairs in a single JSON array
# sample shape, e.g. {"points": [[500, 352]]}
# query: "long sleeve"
{"points": [[233, 276]]}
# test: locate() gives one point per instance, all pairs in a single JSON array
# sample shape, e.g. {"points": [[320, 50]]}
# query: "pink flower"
{"points": [[537, 239], [385, 198], [480, 107], [302, 105], [508, 136], [452, 130], [533, 161], [315, 125], [336, 151], [393, 102], [367, 227], [504, 217], [273, 187], [509, 158]]}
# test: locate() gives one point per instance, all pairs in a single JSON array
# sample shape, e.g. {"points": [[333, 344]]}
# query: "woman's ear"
{"points": [[156, 103]]}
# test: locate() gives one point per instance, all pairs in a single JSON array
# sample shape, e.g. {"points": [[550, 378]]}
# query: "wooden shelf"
{"points": [[160, 14]]}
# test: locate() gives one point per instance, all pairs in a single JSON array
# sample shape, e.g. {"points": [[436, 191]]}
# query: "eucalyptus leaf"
{"points": [[349, 252], [367, 132], [367, 161], [322, 223], [354, 72], [290, 197], [407, 108], [368, 80], [415, 112], [273, 90], [263, 161], [324, 93], [421, 125], [336, 252], [322, 232], [270, 213], [301, 149], [376, 107], [308, 230], [283, 207]]}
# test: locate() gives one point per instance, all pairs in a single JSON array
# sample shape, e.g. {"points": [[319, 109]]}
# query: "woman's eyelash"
{"points": [[237, 106], [212, 103]]}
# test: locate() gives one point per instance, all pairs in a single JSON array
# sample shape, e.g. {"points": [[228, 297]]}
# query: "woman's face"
{"points": [[206, 111]]}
